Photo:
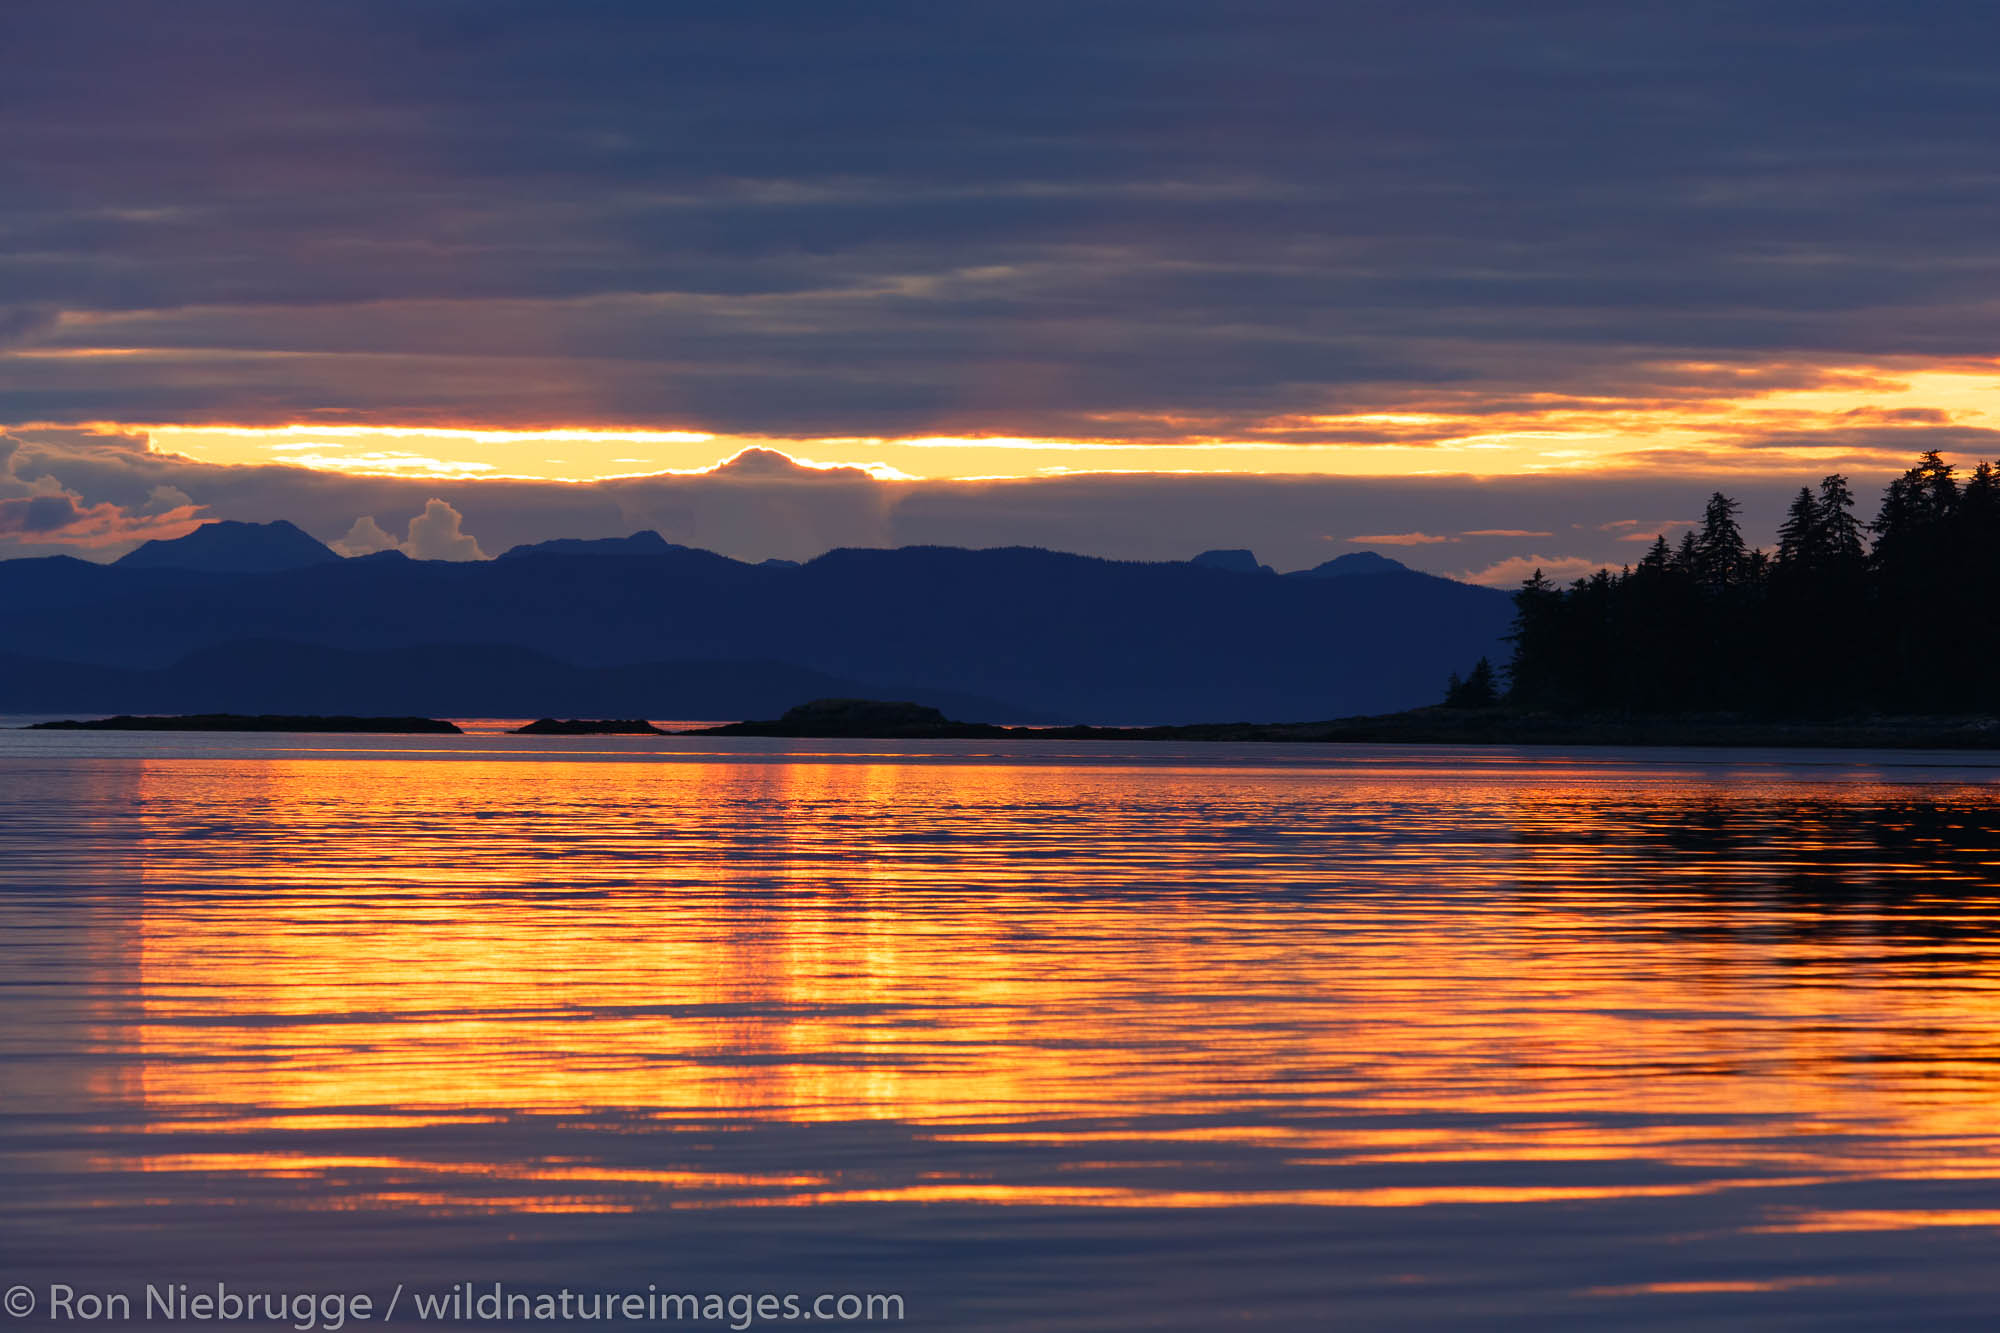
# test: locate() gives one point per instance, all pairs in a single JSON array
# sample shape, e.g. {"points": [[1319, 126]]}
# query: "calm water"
{"points": [[1059, 1037]]}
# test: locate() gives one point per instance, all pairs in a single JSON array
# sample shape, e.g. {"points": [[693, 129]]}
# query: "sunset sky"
{"points": [[1483, 286]]}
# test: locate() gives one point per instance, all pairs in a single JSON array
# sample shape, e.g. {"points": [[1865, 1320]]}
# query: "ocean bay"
{"points": [[1059, 1036]]}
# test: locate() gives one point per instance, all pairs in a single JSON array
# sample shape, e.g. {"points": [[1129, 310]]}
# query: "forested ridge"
{"points": [[1897, 614]]}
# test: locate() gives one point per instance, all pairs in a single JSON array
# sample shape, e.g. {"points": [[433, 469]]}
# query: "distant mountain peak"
{"points": [[1236, 561], [639, 543], [760, 464], [755, 462], [226, 546], [1356, 562]]}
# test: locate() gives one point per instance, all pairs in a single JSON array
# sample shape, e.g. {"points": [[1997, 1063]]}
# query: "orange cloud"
{"points": [[1516, 569], [1402, 539], [59, 520]]}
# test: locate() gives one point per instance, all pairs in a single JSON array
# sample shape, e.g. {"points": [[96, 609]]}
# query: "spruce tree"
{"points": [[1659, 556], [1719, 550], [1687, 556], [1800, 540], [1478, 690], [1843, 547]]}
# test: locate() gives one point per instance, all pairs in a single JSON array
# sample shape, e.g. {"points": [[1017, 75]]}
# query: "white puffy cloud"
{"points": [[438, 534], [365, 538], [163, 499]]}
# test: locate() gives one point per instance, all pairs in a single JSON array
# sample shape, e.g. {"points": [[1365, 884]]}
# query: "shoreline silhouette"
{"points": [[873, 719], [254, 722], [1435, 725]]}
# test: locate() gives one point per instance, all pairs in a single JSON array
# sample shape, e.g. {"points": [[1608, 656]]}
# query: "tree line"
{"points": [[1893, 615]]}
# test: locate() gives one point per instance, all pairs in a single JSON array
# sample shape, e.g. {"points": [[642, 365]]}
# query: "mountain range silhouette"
{"points": [[259, 617], [230, 547]]}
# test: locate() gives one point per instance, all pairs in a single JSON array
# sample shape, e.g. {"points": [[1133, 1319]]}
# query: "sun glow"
{"points": [[1778, 420]]}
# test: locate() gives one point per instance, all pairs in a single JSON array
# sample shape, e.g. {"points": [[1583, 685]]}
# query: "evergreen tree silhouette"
{"points": [[1914, 618], [1813, 605], [1477, 690], [1912, 520], [1976, 559], [1719, 551], [1828, 622], [1659, 557], [1842, 546], [1534, 673], [1687, 556], [1800, 540]]}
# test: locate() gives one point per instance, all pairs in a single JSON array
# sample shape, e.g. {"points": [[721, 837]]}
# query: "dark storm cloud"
{"points": [[824, 219], [39, 511], [33, 515]]}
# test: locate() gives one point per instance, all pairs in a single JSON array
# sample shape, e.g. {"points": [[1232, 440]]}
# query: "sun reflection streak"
{"points": [[714, 982]]}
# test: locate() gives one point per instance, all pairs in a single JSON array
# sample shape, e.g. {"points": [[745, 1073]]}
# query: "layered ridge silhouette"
{"points": [[641, 626]]}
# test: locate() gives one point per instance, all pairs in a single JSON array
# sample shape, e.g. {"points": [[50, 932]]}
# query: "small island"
{"points": [[861, 719], [588, 726], [400, 726]]}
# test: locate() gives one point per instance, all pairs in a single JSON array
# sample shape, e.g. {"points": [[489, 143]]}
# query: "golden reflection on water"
{"points": [[609, 986]]}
